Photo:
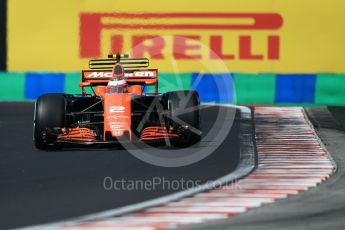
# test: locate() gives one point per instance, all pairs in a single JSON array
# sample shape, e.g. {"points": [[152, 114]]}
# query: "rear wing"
{"points": [[135, 77], [127, 63], [136, 71]]}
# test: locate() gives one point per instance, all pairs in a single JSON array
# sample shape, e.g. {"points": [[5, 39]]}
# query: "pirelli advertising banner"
{"points": [[262, 36]]}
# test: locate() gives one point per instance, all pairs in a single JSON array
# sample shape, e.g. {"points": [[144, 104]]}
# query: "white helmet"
{"points": [[116, 85]]}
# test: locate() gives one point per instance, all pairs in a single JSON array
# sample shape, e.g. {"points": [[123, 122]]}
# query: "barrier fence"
{"points": [[237, 88]]}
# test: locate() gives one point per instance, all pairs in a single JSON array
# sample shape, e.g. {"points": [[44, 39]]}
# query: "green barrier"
{"points": [[171, 81], [330, 89], [258, 89], [71, 83], [12, 86], [254, 88]]}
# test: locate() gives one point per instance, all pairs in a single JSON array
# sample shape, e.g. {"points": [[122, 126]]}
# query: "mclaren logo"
{"points": [[108, 74]]}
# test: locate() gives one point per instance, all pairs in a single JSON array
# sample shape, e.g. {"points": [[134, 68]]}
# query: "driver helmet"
{"points": [[117, 85]]}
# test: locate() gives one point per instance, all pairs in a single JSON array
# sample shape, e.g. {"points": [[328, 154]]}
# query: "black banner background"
{"points": [[3, 35]]}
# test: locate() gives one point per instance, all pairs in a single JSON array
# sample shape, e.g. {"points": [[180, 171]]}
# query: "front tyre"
{"points": [[49, 114], [184, 113]]}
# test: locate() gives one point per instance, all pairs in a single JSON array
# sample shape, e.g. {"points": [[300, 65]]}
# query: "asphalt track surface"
{"points": [[320, 208], [39, 187]]}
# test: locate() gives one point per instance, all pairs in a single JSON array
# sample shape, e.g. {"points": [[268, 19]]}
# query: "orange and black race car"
{"points": [[118, 109]]}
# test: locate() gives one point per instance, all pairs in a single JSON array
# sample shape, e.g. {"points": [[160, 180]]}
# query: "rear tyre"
{"points": [[184, 113], [49, 114]]}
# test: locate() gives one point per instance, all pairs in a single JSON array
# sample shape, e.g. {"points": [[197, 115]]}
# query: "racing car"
{"points": [[114, 106]]}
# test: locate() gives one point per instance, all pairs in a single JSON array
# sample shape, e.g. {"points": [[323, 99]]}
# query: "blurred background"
{"points": [[266, 52]]}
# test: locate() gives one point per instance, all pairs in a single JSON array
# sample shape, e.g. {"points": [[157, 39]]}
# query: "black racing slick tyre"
{"points": [[49, 114], [184, 113]]}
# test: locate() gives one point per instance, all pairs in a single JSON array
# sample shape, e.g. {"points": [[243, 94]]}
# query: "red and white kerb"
{"points": [[291, 160]]}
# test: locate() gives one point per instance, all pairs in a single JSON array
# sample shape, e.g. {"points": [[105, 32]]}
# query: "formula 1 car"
{"points": [[118, 109]]}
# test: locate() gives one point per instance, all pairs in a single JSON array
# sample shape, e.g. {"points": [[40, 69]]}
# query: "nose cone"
{"points": [[117, 115]]}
